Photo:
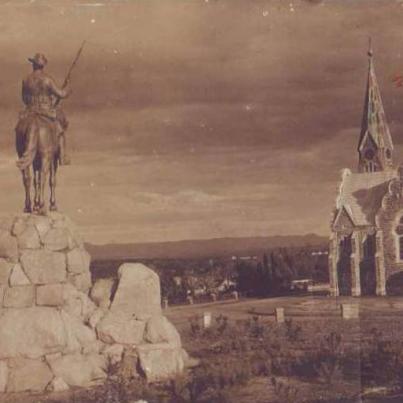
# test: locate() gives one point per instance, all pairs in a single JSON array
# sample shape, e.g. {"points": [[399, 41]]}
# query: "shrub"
{"points": [[381, 359], [285, 393], [329, 357]]}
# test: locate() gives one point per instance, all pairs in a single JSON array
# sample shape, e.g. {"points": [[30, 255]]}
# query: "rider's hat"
{"points": [[38, 60]]}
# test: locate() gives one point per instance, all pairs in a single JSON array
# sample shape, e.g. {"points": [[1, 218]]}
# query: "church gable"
{"points": [[343, 220]]}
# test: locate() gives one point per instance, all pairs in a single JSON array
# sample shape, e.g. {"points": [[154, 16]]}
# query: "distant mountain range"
{"points": [[203, 248]]}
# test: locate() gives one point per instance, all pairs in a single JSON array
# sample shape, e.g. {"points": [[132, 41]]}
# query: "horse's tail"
{"points": [[30, 148]]}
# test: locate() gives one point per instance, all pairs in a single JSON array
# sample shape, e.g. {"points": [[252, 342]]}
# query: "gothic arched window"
{"points": [[399, 239]]}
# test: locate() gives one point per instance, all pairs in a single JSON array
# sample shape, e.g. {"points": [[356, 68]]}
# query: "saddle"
{"points": [[27, 118]]}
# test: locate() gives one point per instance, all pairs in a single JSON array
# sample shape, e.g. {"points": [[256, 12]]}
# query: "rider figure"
{"points": [[40, 95]]}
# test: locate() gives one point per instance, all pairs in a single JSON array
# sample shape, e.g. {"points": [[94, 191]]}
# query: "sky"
{"points": [[194, 119]]}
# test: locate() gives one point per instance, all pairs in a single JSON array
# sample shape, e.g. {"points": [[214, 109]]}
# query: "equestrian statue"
{"points": [[40, 133]]}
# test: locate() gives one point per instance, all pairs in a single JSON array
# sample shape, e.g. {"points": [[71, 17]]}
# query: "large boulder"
{"points": [[120, 327], [5, 270], [78, 335], [19, 297], [101, 292], [28, 375], [18, 277], [80, 370], [44, 267], [160, 361], [8, 246], [78, 261], [50, 295], [138, 291], [160, 330], [31, 332]]}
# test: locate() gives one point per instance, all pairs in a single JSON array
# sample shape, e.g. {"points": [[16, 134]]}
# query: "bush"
{"points": [[381, 359], [329, 358]]}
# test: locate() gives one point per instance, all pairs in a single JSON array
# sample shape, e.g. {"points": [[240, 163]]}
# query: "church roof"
{"points": [[373, 120], [361, 195]]}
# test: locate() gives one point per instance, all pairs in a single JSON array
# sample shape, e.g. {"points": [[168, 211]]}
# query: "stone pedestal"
{"points": [[350, 311], [52, 335], [279, 314], [45, 275], [207, 319]]}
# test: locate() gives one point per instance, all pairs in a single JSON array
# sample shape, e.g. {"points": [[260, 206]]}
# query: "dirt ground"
{"points": [[304, 308]]}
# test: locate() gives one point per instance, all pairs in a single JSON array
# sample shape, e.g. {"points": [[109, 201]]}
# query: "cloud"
{"points": [[197, 120]]}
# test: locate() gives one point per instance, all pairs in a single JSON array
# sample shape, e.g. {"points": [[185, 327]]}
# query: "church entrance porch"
{"points": [[368, 266], [344, 266]]}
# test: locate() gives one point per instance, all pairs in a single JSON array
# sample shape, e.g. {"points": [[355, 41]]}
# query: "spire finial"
{"points": [[370, 52]]}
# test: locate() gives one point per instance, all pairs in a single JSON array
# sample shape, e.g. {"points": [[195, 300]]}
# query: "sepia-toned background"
{"points": [[199, 119]]}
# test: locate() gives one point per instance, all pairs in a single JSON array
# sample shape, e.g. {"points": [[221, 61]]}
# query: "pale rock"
{"points": [[28, 375], [188, 361], [114, 353], [120, 327], [72, 300], [20, 225], [8, 246], [160, 361], [159, 330], [31, 332], [138, 291], [29, 238], [50, 295], [42, 225], [57, 385], [96, 316], [80, 370], [77, 303], [56, 239], [78, 335], [3, 376], [56, 217], [78, 261], [51, 357], [101, 292], [19, 297], [73, 231], [93, 348], [81, 281], [5, 270], [18, 276], [7, 223], [44, 267]]}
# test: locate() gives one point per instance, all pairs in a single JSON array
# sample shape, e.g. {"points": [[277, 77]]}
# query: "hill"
{"points": [[191, 249]]}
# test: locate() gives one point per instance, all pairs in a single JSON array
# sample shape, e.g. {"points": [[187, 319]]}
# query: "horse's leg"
{"points": [[43, 176], [36, 188], [26, 178], [52, 184]]}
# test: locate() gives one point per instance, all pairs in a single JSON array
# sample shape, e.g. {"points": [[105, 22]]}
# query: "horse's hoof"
{"points": [[28, 210], [53, 207]]}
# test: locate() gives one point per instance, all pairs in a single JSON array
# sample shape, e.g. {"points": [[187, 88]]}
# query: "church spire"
{"points": [[375, 145]]}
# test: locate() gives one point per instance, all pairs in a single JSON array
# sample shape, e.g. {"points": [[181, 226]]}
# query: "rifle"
{"points": [[67, 79]]}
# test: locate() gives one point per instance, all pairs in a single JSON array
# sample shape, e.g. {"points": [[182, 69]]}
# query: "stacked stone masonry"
{"points": [[57, 329]]}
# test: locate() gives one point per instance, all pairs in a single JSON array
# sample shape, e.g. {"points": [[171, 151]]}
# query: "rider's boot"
{"points": [[64, 158]]}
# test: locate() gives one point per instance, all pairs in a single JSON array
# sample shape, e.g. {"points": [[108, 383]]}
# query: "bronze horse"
{"points": [[37, 147]]}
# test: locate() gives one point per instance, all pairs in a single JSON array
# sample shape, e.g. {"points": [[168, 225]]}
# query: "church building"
{"points": [[366, 243]]}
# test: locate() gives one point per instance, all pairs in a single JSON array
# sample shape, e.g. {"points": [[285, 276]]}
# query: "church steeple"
{"points": [[375, 146]]}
